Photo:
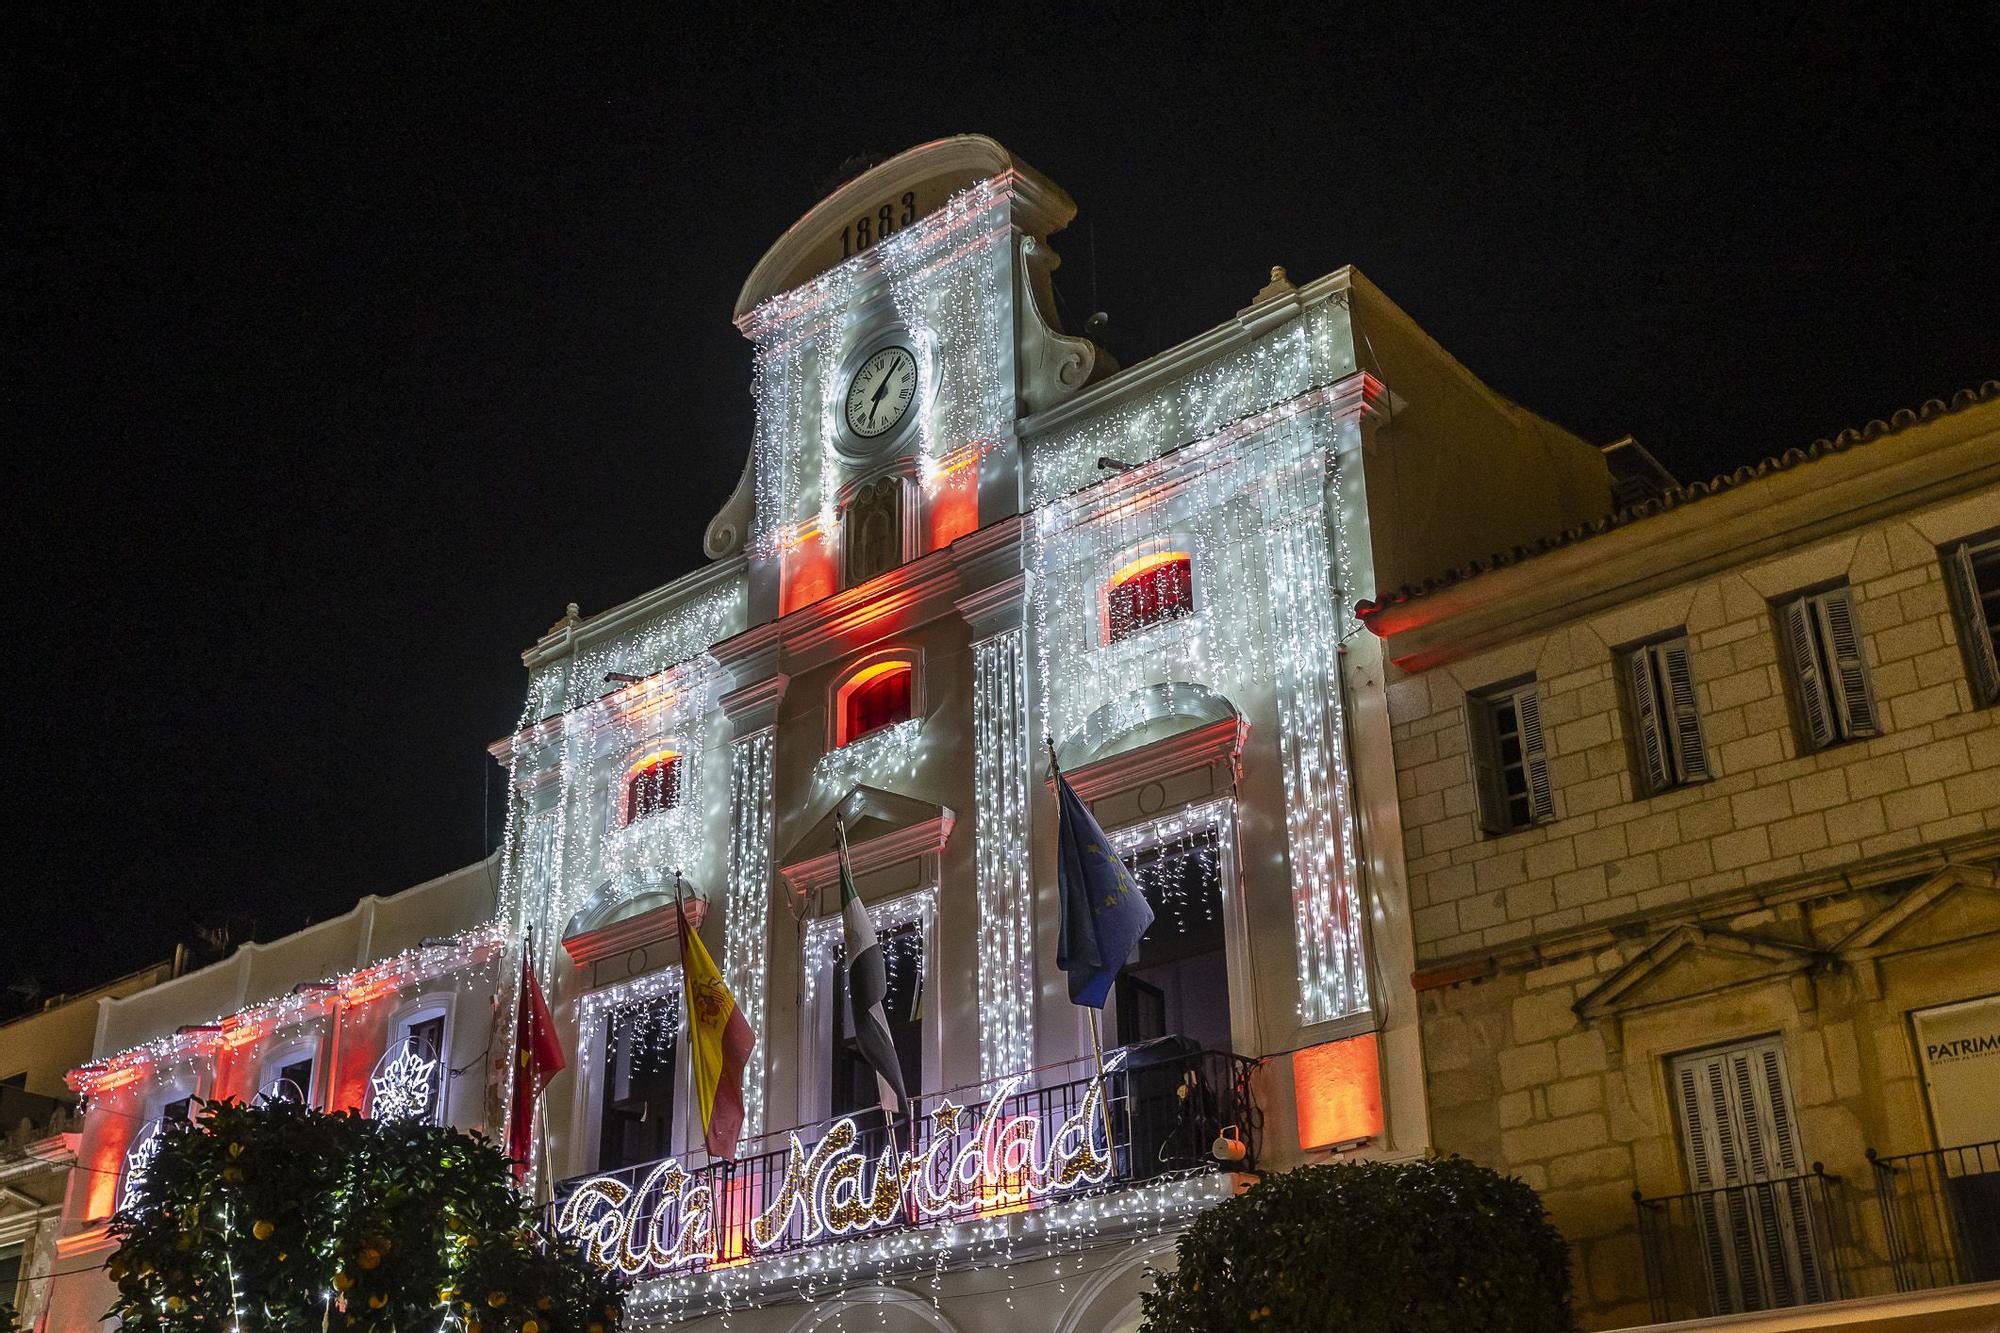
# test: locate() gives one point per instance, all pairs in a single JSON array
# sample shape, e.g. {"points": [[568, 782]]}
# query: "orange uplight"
{"points": [[954, 503], [870, 699], [807, 575], [1339, 1090], [1149, 562]]}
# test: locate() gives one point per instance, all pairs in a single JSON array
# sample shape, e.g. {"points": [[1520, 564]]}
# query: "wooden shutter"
{"points": [[1814, 708], [1649, 739], [1848, 673], [1690, 753], [1975, 632], [1486, 766], [1758, 1243], [1534, 756]]}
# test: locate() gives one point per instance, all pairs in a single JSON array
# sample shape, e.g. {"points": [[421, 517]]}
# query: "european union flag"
{"points": [[1104, 913]]}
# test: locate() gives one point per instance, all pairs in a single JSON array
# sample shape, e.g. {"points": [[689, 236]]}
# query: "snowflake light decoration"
{"points": [[151, 1139], [401, 1087]]}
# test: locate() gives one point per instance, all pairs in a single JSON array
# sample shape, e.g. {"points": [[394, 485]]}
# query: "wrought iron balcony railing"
{"points": [[1762, 1245], [971, 1154], [1941, 1214]]}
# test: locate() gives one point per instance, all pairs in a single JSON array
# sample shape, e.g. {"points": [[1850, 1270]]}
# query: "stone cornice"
{"points": [[1937, 460], [1557, 946], [634, 932], [570, 636], [1218, 746], [1190, 356], [887, 604], [878, 853]]}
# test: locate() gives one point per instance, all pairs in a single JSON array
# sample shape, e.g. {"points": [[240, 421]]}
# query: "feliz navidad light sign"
{"points": [[998, 1162]]}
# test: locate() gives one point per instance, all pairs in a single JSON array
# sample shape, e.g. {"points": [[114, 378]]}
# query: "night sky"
{"points": [[341, 353]]}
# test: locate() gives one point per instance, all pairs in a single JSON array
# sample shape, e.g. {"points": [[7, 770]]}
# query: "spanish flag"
{"points": [[721, 1041]]}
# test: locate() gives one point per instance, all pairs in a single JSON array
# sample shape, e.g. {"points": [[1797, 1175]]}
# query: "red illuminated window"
{"points": [[875, 698], [1149, 591], [652, 785]]}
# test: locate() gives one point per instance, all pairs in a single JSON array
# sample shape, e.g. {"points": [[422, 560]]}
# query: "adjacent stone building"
{"points": [[1701, 808]]}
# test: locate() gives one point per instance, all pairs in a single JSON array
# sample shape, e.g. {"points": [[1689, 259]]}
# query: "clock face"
{"points": [[881, 392]]}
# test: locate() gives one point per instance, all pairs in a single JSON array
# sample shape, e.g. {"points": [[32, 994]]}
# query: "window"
{"points": [[420, 1032], [1150, 591], [10, 1272], [1830, 681], [640, 1045], [181, 1109], [1666, 724], [1178, 983], [876, 527], [855, 1091], [652, 784], [875, 697], [1738, 1128], [1510, 765], [287, 1072], [1972, 572]]}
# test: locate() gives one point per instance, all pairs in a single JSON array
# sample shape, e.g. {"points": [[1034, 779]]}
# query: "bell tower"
{"points": [[902, 328]]}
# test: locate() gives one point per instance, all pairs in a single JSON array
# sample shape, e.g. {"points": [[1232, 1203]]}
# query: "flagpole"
{"points": [[847, 865], [1096, 1036]]}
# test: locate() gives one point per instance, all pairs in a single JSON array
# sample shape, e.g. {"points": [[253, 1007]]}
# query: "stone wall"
{"points": [[1770, 812], [1577, 1103]]}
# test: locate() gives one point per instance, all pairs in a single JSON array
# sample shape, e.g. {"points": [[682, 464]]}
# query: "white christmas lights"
{"points": [[889, 754], [1004, 1159], [746, 923], [1250, 505], [403, 1085], [146, 1145], [1004, 887], [824, 941]]}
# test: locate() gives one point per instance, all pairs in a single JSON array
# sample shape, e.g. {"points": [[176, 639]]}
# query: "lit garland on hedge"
{"points": [[281, 1218]]}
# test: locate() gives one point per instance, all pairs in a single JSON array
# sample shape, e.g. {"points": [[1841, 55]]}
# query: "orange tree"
{"points": [[282, 1218], [1440, 1245]]}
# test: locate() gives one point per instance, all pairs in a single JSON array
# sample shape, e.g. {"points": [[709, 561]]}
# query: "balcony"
{"points": [[971, 1165], [1941, 1215], [1757, 1246], [1933, 1222]]}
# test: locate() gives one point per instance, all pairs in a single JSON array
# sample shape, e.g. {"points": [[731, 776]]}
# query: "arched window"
{"points": [[875, 697], [1150, 591], [652, 784]]}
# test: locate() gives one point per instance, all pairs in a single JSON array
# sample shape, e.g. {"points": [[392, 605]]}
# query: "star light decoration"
{"points": [[404, 1084]]}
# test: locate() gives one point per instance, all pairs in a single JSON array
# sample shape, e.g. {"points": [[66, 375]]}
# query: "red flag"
{"points": [[538, 1058]]}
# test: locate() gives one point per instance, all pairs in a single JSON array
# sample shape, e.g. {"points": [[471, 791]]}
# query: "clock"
{"points": [[881, 391]]}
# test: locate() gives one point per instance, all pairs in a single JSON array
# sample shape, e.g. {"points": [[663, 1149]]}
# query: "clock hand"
{"points": [[875, 403]]}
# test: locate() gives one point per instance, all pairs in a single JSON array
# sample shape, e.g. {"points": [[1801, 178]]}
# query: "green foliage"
{"points": [[295, 1217], [1373, 1247]]}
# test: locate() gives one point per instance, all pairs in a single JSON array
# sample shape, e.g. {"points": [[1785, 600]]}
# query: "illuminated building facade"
{"points": [[962, 536]]}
